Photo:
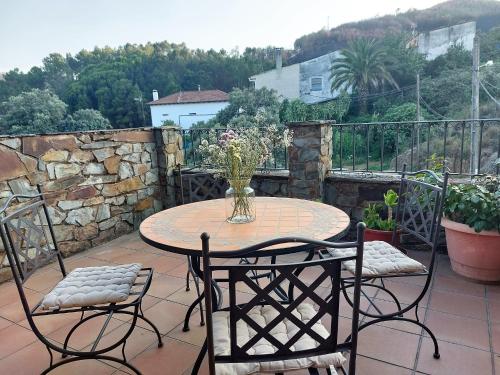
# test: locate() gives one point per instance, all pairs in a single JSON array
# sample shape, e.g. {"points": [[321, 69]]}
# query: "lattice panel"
{"points": [[420, 209], [284, 314], [203, 186], [29, 238]]}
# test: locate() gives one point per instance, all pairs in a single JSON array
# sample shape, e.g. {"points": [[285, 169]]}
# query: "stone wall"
{"points": [[98, 185]]}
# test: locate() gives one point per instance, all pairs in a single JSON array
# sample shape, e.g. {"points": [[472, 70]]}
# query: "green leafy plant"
{"points": [[476, 204], [373, 213]]}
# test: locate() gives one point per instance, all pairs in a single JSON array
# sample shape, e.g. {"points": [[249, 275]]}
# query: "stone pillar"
{"points": [[309, 158], [170, 148]]}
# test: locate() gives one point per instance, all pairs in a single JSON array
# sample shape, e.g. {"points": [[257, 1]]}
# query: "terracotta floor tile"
{"points": [[50, 323], [179, 271], [163, 285], [174, 358], [163, 264], [70, 264], [455, 359], [4, 323], [184, 297], [167, 315], [14, 311], [86, 333], [405, 292], [369, 366], [147, 260], [494, 309], [195, 336], [459, 330], [110, 254], [459, 304], [14, 338], [495, 336], [44, 281], [457, 284], [17, 363], [138, 341], [86, 367], [9, 293], [399, 347]]}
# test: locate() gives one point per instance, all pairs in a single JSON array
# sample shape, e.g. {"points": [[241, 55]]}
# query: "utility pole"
{"points": [[419, 118], [474, 139]]}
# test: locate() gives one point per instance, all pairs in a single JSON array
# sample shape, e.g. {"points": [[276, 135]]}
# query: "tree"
{"points": [[362, 67], [36, 111], [84, 119]]}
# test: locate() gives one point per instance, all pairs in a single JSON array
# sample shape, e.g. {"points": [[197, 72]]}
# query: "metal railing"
{"points": [[386, 146], [192, 139]]}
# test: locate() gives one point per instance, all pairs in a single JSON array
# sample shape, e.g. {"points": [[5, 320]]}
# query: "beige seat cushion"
{"points": [[282, 332], [380, 259], [92, 286]]}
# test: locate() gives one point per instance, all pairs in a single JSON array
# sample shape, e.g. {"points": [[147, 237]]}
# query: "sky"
{"points": [[32, 29]]}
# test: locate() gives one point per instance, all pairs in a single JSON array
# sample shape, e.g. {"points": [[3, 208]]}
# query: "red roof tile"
{"points": [[183, 97]]}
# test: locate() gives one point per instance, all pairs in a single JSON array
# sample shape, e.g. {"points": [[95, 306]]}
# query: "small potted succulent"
{"points": [[377, 227], [472, 226]]}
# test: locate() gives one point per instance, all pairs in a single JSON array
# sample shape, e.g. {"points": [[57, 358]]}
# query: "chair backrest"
{"points": [[420, 205], [320, 289], [200, 186], [27, 235]]}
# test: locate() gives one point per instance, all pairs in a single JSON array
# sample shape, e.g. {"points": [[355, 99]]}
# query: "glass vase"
{"points": [[240, 202]]}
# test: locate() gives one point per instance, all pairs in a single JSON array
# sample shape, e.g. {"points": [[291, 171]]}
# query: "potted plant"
{"points": [[472, 226], [378, 228]]}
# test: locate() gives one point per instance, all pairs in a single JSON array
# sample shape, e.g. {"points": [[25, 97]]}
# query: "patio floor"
{"points": [[464, 316]]}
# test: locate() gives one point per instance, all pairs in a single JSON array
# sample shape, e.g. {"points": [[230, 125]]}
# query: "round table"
{"points": [[178, 229]]}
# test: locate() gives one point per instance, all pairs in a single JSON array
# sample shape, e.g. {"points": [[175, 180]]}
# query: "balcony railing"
{"points": [[192, 139], [386, 146]]}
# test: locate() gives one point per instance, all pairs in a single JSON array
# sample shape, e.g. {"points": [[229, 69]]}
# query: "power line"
{"points": [[432, 110], [493, 86], [488, 93]]}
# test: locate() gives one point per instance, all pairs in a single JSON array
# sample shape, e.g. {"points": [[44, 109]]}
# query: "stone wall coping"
{"points": [[275, 173], [310, 123], [100, 131], [377, 178]]}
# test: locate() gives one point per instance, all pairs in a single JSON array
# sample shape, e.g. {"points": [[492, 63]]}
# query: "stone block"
{"points": [[94, 168], [11, 165], [124, 149], [125, 171], [97, 145], [132, 199], [103, 213], [140, 169], [116, 201], [84, 192], [145, 157], [99, 179], [69, 205], [103, 153], [134, 136], [109, 223], [125, 186], [144, 204], [104, 236], [22, 186], [14, 143], [66, 170], [133, 158], [137, 147], [31, 164], [71, 247], [56, 216], [81, 216], [80, 156], [50, 170], [151, 177], [93, 201], [122, 228], [55, 156], [63, 232], [39, 145], [87, 232], [112, 164], [128, 217]]}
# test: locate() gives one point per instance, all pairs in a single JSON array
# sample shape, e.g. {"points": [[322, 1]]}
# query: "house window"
{"points": [[316, 83]]}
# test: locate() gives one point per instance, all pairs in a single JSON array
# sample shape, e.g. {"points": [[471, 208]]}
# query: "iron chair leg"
{"points": [[196, 280]]}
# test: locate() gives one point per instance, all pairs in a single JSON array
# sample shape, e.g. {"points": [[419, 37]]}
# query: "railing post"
{"points": [[170, 150], [309, 158]]}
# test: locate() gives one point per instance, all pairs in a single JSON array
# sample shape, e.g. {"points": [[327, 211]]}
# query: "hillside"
{"points": [[486, 13]]}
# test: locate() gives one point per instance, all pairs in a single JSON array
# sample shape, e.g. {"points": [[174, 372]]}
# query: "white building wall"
{"points": [[284, 81], [435, 43], [185, 114]]}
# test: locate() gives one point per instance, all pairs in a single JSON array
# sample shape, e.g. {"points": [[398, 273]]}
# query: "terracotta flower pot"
{"points": [[473, 255], [380, 235]]}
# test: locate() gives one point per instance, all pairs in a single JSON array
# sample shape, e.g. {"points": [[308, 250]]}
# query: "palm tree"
{"points": [[361, 67]]}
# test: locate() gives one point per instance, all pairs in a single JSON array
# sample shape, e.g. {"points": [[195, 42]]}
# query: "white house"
{"points": [[186, 108]]}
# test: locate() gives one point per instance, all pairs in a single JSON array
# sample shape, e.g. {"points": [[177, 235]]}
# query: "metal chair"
{"points": [[418, 214], [29, 242], [268, 334]]}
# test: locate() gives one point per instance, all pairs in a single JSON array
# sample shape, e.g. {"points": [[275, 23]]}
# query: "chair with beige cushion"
{"points": [[269, 334], [420, 205], [91, 292]]}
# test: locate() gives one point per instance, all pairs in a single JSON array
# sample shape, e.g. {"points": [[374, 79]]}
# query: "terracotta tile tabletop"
{"points": [[178, 229]]}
